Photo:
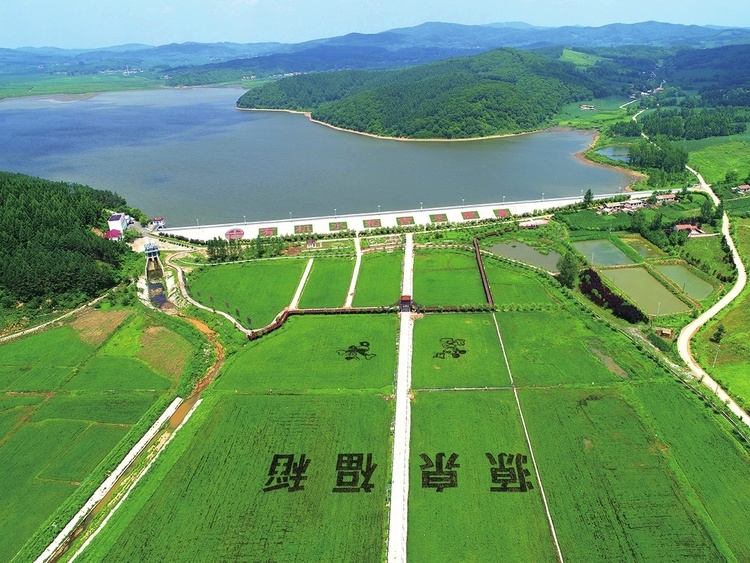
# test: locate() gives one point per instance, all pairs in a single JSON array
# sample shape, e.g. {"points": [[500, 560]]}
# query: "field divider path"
{"points": [[355, 274], [398, 517], [687, 333], [301, 286], [528, 442], [109, 482], [135, 482]]}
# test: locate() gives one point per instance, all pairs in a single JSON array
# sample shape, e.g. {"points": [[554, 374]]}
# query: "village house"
{"points": [[691, 229], [665, 199]]}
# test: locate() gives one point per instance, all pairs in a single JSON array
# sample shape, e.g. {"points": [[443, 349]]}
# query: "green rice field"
{"points": [[468, 520], [257, 290], [511, 285], [78, 404], [379, 281], [213, 499], [328, 283], [353, 352], [457, 350], [447, 278]]}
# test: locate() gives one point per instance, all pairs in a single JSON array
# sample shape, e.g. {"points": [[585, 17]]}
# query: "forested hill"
{"points": [[49, 253], [501, 91]]}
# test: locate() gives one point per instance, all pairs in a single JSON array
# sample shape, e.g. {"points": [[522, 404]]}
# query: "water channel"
{"points": [[191, 156]]}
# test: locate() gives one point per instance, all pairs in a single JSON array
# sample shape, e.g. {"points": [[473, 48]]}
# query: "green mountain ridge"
{"points": [[498, 92]]}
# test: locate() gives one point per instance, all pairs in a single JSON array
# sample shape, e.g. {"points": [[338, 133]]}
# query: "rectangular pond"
{"points": [[690, 284], [645, 248], [645, 291], [602, 253], [527, 254]]}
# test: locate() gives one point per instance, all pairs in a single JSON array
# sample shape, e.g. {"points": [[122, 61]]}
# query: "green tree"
{"points": [[588, 197], [568, 267]]}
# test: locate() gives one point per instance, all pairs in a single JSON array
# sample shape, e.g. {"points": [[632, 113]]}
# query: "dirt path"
{"points": [[687, 333]]}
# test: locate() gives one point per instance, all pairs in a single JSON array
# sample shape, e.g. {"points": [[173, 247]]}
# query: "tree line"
{"points": [[49, 252], [502, 91]]}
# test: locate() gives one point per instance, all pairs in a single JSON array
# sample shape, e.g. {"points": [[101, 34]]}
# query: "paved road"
{"points": [[683, 341], [402, 425]]}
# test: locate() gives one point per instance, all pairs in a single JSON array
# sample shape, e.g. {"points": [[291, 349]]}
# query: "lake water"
{"points": [[191, 156]]}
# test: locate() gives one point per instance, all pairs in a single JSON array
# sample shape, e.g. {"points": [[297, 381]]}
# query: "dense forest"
{"points": [[49, 252], [502, 91]]}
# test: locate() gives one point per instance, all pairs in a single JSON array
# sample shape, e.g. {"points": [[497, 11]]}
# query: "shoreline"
{"points": [[633, 176], [383, 137]]}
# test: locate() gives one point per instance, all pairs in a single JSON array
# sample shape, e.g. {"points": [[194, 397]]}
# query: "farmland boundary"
{"points": [[528, 442]]}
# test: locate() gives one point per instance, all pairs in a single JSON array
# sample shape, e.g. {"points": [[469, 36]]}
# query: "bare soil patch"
{"points": [[164, 350], [94, 326]]}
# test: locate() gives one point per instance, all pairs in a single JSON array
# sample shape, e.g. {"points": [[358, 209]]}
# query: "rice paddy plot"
{"points": [[379, 280], [445, 278], [457, 350], [691, 285], [552, 348], [473, 492], [315, 352], [110, 373], [251, 478], [714, 465], [59, 347], [602, 253], [512, 285], [612, 490], [328, 283], [645, 291], [255, 290]]}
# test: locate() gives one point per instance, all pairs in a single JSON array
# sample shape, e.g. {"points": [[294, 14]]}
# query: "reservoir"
{"points": [[191, 156]]}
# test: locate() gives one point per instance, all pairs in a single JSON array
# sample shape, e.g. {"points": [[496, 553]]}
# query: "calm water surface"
{"points": [[191, 156]]}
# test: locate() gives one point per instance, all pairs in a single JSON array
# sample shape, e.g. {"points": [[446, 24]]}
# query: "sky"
{"points": [[100, 23]]}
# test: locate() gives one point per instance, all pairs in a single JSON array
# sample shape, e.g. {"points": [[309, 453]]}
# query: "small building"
{"points": [[743, 189], [118, 222], [691, 229], [158, 222], [613, 207], [665, 333], [405, 304], [151, 250], [113, 234], [587, 107], [637, 203], [666, 198]]}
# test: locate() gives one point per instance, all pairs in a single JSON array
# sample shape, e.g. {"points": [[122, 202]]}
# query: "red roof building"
{"points": [[113, 234]]}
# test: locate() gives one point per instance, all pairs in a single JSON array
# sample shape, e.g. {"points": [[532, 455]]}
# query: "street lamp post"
{"points": [[462, 202], [378, 210], [244, 219], [716, 356], [334, 212], [503, 199], [290, 215], [420, 205], [542, 196]]}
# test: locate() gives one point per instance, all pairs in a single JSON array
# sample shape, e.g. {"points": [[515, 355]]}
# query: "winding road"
{"points": [[687, 333]]}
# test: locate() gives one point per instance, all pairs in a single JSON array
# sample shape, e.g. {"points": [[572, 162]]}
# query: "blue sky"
{"points": [[97, 23]]}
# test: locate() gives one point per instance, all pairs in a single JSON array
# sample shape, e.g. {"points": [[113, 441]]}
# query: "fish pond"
{"points": [[645, 291], [690, 284], [527, 254], [602, 253]]}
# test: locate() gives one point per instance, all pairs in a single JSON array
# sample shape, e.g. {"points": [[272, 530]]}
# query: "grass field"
{"points": [[511, 285], [470, 522], [732, 360], [79, 404], [352, 352], [613, 495], [379, 281], [328, 283], [708, 254], [457, 350], [257, 290], [444, 278], [559, 347], [713, 161], [210, 504]]}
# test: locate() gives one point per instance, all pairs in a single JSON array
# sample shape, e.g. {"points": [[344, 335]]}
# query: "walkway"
{"points": [[683, 341], [397, 533], [355, 274]]}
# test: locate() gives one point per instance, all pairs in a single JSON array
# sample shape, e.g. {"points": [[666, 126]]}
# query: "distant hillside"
{"points": [[502, 91]]}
